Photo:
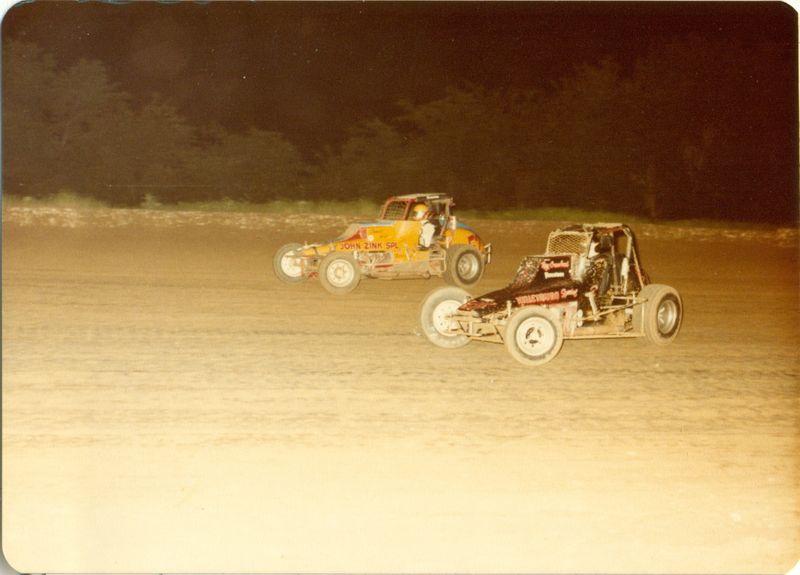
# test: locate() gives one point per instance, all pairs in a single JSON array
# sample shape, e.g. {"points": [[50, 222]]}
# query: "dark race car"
{"points": [[588, 284]]}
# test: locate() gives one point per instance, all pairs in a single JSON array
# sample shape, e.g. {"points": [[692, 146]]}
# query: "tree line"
{"points": [[694, 129]]}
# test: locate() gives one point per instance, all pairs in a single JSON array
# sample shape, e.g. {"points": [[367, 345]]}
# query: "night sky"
{"points": [[310, 70]]}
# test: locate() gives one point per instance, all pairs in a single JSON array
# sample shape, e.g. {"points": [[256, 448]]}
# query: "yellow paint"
{"points": [[400, 238]]}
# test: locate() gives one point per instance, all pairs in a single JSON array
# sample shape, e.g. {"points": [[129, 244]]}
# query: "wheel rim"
{"points": [[468, 266], [290, 265], [442, 314], [667, 316], [340, 273], [535, 336]]}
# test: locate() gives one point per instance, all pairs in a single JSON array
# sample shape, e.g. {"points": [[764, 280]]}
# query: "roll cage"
{"points": [[615, 243], [399, 207]]}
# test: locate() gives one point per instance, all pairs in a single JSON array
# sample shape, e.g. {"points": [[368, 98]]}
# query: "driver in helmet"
{"points": [[600, 262], [420, 212]]}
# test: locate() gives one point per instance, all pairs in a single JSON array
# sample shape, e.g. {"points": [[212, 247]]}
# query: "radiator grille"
{"points": [[568, 243], [395, 211]]}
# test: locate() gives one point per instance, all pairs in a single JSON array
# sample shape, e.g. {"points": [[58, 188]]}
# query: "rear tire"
{"points": [[434, 314], [533, 336], [659, 318], [287, 268], [339, 273], [463, 266]]}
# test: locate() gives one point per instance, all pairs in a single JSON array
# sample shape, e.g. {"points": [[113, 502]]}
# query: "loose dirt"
{"points": [[169, 405]]}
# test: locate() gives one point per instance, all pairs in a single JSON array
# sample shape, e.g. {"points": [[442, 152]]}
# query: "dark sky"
{"points": [[310, 70]]}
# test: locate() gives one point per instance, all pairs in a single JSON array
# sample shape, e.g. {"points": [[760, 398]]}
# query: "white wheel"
{"points": [[339, 273], [441, 316], [533, 336], [287, 265], [667, 316], [435, 317]]}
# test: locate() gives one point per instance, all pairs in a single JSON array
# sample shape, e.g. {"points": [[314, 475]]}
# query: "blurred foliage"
{"points": [[693, 131]]}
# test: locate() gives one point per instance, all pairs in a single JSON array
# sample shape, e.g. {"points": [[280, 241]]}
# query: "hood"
{"points": [[353, 231], [552, 292], [539, 280]]}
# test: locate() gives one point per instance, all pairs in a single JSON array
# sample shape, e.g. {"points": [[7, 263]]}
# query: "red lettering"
{"points": [[546, 297], [571, 292], [549, 264]]}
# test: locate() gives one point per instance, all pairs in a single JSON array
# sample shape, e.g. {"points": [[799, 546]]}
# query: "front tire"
{"points": [[659, 318], [463, 266], [533, 336], [339, 273], [434, 316], [287, 267]]}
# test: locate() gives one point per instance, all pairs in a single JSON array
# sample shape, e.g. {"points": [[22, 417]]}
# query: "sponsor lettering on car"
{"points": [[548, 297], [365, 245]]}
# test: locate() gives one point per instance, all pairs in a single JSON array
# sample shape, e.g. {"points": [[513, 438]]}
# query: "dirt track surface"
{"points": [[168, 405]]}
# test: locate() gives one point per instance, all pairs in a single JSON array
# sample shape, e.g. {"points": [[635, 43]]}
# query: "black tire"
{"points": [[339, 273], [463, 266], [659, 318], [284, 268], [533, 336], [433, 316]]}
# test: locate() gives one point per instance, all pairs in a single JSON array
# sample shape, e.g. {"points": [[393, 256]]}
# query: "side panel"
{"points": [[464, 235], [399, 238]]}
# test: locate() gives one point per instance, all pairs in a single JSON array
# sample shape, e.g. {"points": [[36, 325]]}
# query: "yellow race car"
{"points": [[415, 236]]}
